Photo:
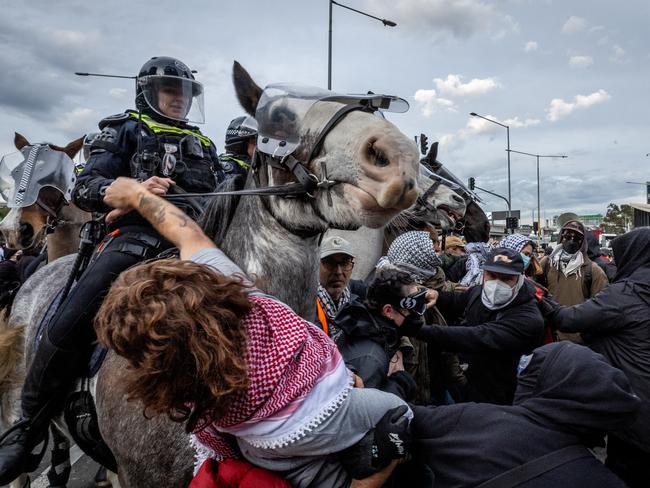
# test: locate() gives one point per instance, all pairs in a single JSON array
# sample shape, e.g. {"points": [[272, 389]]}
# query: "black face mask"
{"points": [[411, 325], [571, 246]]}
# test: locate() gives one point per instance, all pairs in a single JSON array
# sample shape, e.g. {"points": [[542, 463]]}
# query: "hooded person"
{"points": [[454, 250], [570, 276], [437, 374], [596, 255], [501, 322], [567, 396], [616, 324]]}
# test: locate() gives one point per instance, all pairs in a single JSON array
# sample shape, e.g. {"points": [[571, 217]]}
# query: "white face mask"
{"points": [[497, 294]]}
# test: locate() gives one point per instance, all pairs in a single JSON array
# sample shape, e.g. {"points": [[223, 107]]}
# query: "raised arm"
{"points": [[126, 194]]}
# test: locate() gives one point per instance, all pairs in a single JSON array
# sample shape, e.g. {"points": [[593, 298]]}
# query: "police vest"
{"points": [[182, 154]]}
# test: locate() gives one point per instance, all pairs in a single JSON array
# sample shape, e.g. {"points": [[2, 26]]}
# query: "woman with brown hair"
{"points": [[248, 375]]}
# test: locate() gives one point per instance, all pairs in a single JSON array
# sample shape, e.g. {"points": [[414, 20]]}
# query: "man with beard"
{"points": [[570, 276]]}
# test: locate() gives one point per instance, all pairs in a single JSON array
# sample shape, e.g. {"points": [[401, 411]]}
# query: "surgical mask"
{"points": [[497, 294], [526, 260], [571, 246]]}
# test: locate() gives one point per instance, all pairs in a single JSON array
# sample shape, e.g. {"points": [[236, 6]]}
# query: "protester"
{"points": [[567, 396], [438, 374], [616, 324], [570, 276], [596, 255], [501, 322], [156, 145], [526, 247], [453, 251], [244, 372], [336, 265], [477, 249]]}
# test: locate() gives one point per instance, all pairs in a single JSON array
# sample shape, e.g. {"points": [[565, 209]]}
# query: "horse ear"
{"points": [[430, 159], [74, 147], [20, 141], [248, 92]]}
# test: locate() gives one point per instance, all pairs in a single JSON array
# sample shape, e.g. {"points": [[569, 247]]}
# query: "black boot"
{"points": [[45, 387]]}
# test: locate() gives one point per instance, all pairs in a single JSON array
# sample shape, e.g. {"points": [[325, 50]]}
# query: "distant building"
{"points": [[641, 214], [593, 220]]}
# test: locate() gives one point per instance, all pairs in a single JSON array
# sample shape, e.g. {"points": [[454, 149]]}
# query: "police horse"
{"points": [[343, 167]]}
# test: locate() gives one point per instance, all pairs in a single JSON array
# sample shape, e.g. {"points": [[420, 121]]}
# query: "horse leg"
{"points": [[60, 468]]}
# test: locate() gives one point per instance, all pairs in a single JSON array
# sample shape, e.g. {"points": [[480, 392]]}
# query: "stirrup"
{"points": [[31, 460]]}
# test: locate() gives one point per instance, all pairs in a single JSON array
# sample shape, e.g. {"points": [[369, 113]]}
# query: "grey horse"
{"points": [[372, 169]]}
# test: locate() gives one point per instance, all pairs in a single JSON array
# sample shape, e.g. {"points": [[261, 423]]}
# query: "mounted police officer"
{"points": [[157, 146], [241, 138]]}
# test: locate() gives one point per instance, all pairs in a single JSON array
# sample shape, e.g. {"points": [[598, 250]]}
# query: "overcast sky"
{"points": [[569, 77]]}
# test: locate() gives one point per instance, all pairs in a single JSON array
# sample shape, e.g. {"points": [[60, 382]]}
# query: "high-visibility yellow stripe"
{"points": [[157, 128]]}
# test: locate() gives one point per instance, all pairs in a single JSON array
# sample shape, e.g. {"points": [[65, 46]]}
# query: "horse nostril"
{"points": [[410, 184], [457, 198], [26, 233]]}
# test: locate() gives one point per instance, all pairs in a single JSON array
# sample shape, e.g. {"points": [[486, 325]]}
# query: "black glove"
{"points": [[411, 325], [548, 306], [389, 440]]}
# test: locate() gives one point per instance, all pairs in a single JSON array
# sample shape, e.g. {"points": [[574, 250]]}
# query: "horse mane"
{"points": [[219, 212]]}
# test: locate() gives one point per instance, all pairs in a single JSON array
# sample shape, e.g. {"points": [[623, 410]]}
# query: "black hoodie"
{"points": [[616, 323], [367, 344], [491, 340], [565, 397]]}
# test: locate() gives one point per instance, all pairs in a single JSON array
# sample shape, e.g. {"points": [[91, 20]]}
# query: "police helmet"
{"points": [[167, 87], [239, 132]]}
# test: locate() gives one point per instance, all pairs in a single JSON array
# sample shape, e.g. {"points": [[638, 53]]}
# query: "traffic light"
{"points": [[535, 227], [424, 144], [512, 222], [471, 183]]}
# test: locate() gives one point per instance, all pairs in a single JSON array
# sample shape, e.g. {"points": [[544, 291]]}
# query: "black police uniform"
{"points": [[130, 239], [234, 165]]}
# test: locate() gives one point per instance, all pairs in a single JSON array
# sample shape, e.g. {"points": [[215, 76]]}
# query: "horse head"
{"points": [[24, 227], [370, 169]]}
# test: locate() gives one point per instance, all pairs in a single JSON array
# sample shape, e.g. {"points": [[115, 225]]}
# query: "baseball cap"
{"points": [[335, 245], [453, 241], [505, 261]]}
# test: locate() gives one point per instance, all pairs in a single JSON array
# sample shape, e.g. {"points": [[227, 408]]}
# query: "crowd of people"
{"points": [[454, 364]]}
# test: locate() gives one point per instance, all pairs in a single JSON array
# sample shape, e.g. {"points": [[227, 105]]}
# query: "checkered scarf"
{"points": [[516, 242], [414, 252], [286, 357], [331, 307]]}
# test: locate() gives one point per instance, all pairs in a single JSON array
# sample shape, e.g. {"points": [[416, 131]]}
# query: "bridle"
{"points": [[307, 183]]}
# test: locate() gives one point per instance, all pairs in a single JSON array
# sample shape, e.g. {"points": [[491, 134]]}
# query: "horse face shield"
{"points": [[25, 173]]}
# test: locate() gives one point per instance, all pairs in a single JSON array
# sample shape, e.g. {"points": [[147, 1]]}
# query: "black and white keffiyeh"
{"points": [[516, 242], [414, 251]]}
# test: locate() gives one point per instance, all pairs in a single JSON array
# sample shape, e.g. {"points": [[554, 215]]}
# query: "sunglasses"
{"points": [[416, 303]]}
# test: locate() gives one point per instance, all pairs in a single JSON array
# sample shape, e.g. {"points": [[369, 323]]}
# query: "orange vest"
{"points": [[322, 318]]}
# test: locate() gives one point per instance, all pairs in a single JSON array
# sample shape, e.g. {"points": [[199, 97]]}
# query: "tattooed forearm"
{"points": [[152, 208], [169, 220]]}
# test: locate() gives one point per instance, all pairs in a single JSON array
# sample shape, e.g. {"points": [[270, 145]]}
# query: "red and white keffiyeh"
{"points": [[297, 378]]}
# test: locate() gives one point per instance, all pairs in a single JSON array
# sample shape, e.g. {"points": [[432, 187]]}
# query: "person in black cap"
{"points": [[501, 322]]}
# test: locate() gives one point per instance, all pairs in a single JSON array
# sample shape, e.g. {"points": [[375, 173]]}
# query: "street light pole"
{"points": [[474, 114], [386, 22], [539, 205]]}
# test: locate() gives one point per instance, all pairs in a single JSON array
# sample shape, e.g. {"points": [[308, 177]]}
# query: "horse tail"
{"points": [[11, 353]]}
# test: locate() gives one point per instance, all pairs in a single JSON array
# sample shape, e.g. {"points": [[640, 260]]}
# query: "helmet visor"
{"points": [[174, 97]]}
